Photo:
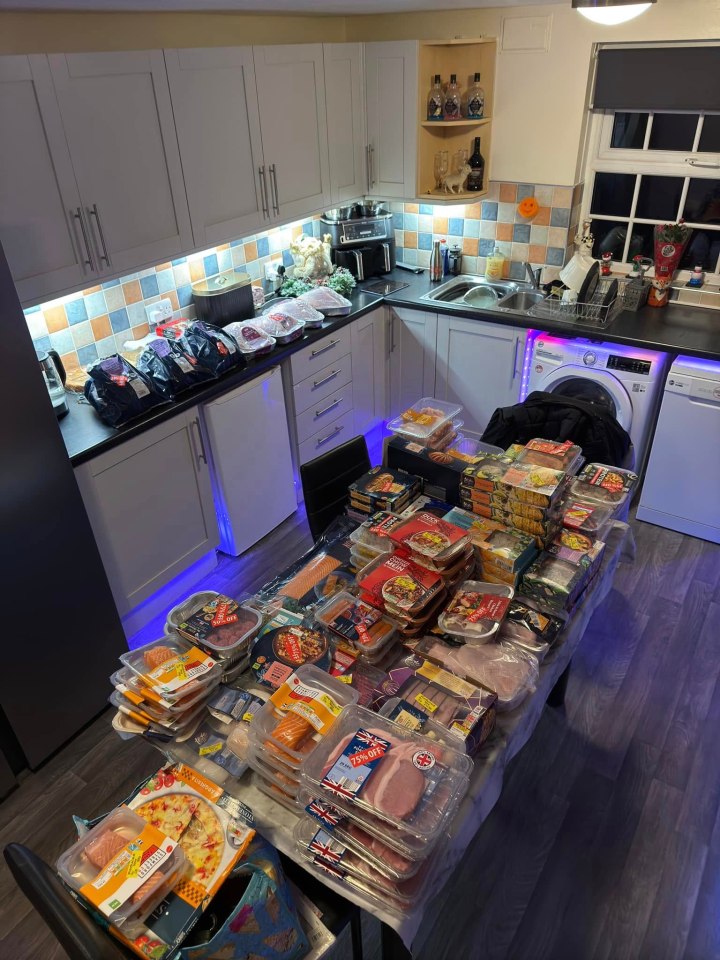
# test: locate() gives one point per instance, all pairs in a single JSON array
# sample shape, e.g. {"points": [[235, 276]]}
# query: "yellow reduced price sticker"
{"points": [[427, 704], [181, 671], [328, 702], [134, 864], [210, 748], [347, 678], [247, 717]]}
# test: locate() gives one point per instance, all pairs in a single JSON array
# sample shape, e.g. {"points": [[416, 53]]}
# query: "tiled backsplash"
{"points": [[96, 322], [543, 240]]}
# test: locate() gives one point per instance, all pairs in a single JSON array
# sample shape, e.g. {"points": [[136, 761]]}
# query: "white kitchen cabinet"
{"points": [[413, 336], [214, 100], [345, 105], [391, 92], [151, 507], [479, 365], [40, 208], [291, 96], [118, 122], [369, 369]]}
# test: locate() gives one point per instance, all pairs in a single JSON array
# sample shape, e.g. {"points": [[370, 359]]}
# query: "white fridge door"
{"points": [[253, 477]]}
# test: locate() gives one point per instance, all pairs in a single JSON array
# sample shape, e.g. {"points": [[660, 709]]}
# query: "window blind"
{"points": [[658, 78]]}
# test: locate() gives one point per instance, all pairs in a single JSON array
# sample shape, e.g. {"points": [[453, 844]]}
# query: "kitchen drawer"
{"points": [[320, 414], [323, 383], [331, 435], [306, 362]]}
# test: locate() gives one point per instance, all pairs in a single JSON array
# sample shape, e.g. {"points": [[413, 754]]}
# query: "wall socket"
{"points": [[272, 268], [159, 312]]}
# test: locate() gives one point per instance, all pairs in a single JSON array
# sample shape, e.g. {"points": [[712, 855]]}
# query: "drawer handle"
{"points": [[316, 353], [319, 383], [319, 413], [323, 440]]}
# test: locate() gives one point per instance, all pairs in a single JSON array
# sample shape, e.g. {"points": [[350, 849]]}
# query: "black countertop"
{"points": [[676, 329]]}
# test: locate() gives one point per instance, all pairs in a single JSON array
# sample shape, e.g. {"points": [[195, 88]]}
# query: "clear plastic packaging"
{"points": [[152, 704], [466, 448], [441, 438], [327, 301], [548, 453], [598, 483], [258, 295], [525, 639], [424, 418], [557, 583], [172, 667], [333, 583], [275, 793], [83, 867], [288, 784], [251, 338], [280, 325], [217, 623], [477, 610], [143, 715], [374, 534], [298, 309], [592, 519], [415, 784], [314, 700], [400, 583], [431, 537], [359, 622], [538, 486]]}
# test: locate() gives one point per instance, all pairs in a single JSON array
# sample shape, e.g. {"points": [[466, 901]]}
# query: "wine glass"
{"points": [[440, 167]]}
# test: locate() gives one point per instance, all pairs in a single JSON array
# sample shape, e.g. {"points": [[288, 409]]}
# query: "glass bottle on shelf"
{"points": [[451, 103], [476, 100], [435, 100], [476, 177]]}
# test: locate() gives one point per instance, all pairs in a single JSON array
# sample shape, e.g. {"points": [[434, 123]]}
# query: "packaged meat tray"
{"points": [[469, 450], [127, 683], [360, 623], [576, 547], [400, 584], [396, 775], [251, 339], [509, 672], [288, 784], [207, 750], [599, 483], [298, 309], [543, 625], [278, 325], [216, 622], [374, 533], [476, 611], [592, 519], [440, 439], [431, 537], [449, 574], [523, 639], [424, 418], [258, 295], [327, 301], [179, 726], [172, 667], [336, 582], [300, 713], [124, 867], [554, 582], [274, 792], [550, 453]]}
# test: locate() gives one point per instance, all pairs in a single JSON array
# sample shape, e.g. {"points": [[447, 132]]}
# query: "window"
{"points": [[651, 167]]}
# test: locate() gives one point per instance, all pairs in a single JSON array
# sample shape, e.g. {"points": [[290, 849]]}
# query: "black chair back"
{"points": [[75, 930], [325, 481]]}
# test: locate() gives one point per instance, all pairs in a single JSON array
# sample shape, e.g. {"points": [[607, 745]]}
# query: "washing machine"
{"points": [[626, 381]]}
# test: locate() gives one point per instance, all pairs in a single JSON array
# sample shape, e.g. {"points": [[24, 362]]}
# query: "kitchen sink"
{"points": [[455, 290], [522, 300]]}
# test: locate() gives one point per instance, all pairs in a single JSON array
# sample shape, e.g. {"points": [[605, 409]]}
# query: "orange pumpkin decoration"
{"points": [[528, 207]]}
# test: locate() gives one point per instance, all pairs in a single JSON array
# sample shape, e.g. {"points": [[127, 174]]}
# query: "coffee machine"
{"points": [[362, 239]]}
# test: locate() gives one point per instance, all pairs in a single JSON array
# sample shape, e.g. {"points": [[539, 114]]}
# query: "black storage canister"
{"points": [[223, 298]]}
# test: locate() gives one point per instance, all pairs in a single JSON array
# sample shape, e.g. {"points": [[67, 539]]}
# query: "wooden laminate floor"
{"points": [[605, 844]]}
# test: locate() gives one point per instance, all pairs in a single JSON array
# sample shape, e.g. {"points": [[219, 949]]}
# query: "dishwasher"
{"points": [[681, 483], [251, 464]]}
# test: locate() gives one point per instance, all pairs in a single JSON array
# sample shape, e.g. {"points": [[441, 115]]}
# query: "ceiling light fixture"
{"points": [[610, 12]]}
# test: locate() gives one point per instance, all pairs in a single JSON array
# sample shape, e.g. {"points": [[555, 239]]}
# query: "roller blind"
{"points": [[658, 78]]}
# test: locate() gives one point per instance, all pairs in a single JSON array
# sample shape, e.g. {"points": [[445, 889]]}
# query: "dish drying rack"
{"points": [[590, 313]]}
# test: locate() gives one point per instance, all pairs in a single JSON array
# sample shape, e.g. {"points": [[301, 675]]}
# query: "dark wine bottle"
{"points": [[476, 177]]}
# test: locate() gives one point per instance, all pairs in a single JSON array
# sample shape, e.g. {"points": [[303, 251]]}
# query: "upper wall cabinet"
{"points": [[345, 104], [41, 218], [391, 88], [291, 96], [214, 100], [118, 122]]}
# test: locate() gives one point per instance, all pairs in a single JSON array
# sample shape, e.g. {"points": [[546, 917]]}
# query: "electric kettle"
{"points": [[54, 375]]}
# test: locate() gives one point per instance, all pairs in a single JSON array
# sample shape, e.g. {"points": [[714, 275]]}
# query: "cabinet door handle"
{"points": [[198, 456], [319, 383], [89, 262], [370, 151], [515, 356], [93, 212], [274, 186], [320, 413], [263, 192], [323, 440], [329, 346], [392, 332]]}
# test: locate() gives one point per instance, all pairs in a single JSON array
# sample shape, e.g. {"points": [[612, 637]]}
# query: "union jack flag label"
{"points": [[324, 846], [347, 776], [329, 868], [326, 814]]}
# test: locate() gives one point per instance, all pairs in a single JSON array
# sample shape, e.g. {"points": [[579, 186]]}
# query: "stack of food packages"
{"points": [[429, 423], [378, 799], [383, 488]]}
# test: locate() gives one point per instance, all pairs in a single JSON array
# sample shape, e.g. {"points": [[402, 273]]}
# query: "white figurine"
{"points": [[454, 182], [312, 256]]}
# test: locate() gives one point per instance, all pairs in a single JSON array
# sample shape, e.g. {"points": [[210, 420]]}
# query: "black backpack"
{"points": [[545, 415]]}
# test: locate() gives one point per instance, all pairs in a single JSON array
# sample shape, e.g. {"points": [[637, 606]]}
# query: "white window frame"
{"points": [[602, 158]]}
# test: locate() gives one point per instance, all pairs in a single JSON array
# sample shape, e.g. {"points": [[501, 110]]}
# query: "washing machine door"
{"points": [[592, 386]]}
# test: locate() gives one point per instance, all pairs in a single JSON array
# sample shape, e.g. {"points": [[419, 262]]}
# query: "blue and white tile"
{"points": [[470, 264], [287, 258], [119, 320], [559, 217], [472, 228], [455, 226], [517, 270], [166, 279], [136, 313], [105, 347], [184, 295], [521, 233], [75, 310], [36, 324], [425, 223], [114, 299], [410, 256], [538, 235], [238, 256], [263, 246], [255, 270], [43, 344], [486, 247], [87, 355], [399, 238], [488, 228], [279, 239], [544, 195], [555, 256], [506, 212], [211, 265], [520, 251], [410, 221], [149, 286], [121, 339], [489, 210], [423, 258], [82, 334], [181, 273], [426, 208], [525, 190], [150, 272], [95, 304], [425, 241], [63, 342]]}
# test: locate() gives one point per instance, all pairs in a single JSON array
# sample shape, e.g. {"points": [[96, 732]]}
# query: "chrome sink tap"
{"points": [[533, 275]]}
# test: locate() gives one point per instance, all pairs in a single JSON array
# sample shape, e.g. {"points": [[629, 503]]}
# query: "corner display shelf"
{"points": [[464, 57]]}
